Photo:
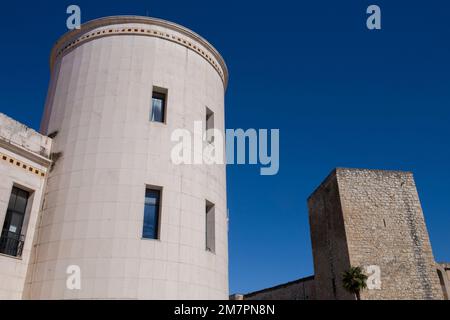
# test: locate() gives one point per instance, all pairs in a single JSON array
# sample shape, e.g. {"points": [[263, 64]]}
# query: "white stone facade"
{"points": [[107, 153], [24, 163]]}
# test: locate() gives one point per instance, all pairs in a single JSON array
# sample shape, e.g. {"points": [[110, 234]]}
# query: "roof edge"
{"points": [[309, 278], [121, 19]]}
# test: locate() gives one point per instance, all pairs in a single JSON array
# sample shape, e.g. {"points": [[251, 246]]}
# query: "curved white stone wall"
{"points": [[99, 102]]}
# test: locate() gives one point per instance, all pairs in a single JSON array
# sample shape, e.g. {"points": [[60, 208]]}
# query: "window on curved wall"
{"points": [[210, 227], [151, 213], [159, 101], [12, 236], [209, 126]]}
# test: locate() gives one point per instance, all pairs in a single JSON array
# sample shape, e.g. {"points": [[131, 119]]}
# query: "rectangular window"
{"points": [[151, 213], [159, 100], [210, 227], [209, 126], [12, 238]]}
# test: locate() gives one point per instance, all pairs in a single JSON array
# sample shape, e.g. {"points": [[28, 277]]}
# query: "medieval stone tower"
{"points": [[374, 219]]}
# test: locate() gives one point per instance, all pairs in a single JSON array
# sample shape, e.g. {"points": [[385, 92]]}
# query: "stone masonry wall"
{"points": [[367, 218], [443, 270], [302, 289], [328, 239], [384, 226]]}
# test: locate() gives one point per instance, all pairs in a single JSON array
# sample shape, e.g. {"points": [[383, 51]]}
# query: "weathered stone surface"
{"points": [[372, 217], [443, 270], [302, 289], [23, 140]]}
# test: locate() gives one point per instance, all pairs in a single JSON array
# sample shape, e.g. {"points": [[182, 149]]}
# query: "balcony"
{"points": [[11, 244]]}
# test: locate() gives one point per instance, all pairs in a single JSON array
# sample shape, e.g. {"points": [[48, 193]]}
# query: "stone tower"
{"points": [[372, 219], [117, 208]]}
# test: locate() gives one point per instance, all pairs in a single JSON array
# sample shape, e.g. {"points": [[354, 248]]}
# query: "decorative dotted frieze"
{"points": [[147, 32], [21, 165]]}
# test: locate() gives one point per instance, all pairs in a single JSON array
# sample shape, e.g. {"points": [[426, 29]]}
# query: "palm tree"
{"points": [[354, 280]]}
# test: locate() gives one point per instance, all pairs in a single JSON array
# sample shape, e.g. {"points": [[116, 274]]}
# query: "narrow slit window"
{"points": [[159, 101], [151, 213], [209, 126], [210, 227]]}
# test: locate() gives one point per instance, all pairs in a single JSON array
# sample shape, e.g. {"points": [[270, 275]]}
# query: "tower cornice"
{"points": [[151, 27]]}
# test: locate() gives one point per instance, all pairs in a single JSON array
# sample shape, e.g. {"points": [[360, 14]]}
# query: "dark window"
{"points": [[209, 126], [210, 227], [151, 214], [11, 241], [158, 107]]}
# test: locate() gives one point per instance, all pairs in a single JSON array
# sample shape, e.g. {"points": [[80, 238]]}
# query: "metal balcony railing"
{"points": [[11, 244]]}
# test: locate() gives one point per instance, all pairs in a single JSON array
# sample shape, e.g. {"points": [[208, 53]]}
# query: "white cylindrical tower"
{"points": [[117, 209]]}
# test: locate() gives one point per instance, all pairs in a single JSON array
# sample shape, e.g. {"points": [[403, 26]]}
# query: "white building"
{"points": [[115, 206], [24, 166]]}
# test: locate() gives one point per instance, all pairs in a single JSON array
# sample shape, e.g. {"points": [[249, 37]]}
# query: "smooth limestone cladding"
{"points": [[24, 163], [372, 217], [99, 104]]}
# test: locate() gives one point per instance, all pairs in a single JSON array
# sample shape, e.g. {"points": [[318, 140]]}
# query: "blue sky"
{"points": [[340, 94]]}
